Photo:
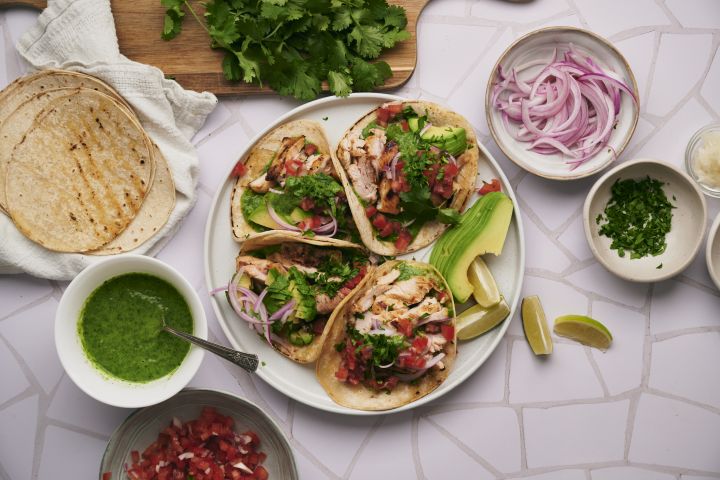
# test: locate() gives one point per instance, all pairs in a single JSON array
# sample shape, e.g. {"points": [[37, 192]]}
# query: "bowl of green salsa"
{"points": [[108, 331]]}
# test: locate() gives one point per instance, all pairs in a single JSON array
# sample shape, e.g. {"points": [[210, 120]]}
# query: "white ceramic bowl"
{"points": [[99, 385], [712, 252], [540, 44], [684, 238]]}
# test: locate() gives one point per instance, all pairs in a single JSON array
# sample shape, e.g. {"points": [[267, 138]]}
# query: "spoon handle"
{"points": [[246, 361]]}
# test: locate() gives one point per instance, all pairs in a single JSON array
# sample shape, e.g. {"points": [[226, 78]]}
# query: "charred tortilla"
{"points": [[355, 177], [303, 253], [330, 361], [80, 174]]}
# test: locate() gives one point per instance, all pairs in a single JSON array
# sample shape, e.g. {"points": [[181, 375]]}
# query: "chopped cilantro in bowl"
{"points": [[637, 218]]}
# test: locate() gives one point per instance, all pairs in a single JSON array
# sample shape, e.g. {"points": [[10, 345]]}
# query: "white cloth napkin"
{"points": [[80, 35]]}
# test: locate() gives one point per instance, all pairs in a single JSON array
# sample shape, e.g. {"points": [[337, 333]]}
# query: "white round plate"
{"points": [[540, 44], [296, 380]]}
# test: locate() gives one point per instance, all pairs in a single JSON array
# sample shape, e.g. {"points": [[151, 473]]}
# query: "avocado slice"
{"points": [[298, 215], [452, 139], [261, 216], [482, 229], [414, 124], [300, 338]]}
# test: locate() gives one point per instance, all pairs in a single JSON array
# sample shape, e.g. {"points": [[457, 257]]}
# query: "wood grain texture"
{"points": [[189, 58]]}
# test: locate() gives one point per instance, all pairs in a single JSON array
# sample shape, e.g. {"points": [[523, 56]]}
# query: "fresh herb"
{"points": [[659, 266], [385, 348], [367, 130], [261, 363], [325, 119], [249, 203], [294, 45], [321, 187], [637, 218], [335, 271], [408, 271], [278, 286]]}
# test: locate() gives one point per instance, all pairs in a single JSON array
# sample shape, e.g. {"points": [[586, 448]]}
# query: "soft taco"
{"points": [[393, 341], [289, 183], [409, 169], [287, 288]]}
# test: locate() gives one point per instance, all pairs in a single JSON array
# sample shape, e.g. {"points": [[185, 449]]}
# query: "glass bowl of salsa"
{"points": [[108, 331]]}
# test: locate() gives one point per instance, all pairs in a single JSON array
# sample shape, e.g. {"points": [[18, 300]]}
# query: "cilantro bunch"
{"points": [[295, 45]]}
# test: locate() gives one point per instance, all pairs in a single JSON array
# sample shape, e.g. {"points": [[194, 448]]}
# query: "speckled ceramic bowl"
{"points": [[540, 44], [141, 428], [712, 252], [684, 238]]}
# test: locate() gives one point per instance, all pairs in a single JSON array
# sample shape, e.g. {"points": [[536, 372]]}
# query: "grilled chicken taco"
{"points": [[409, 169], [287, 288], [393, 341], [288, 182]]}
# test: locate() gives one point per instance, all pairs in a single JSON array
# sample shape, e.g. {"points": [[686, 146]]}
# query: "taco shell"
{"points": [[258, 158], [307, 353], [361, 397], [463, 185]]}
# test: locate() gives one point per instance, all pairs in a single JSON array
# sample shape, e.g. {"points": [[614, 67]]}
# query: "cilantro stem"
{"points": [[192, 11]]}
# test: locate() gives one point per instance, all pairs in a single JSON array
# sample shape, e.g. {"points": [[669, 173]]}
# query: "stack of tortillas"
{"points": [[77, 171]]}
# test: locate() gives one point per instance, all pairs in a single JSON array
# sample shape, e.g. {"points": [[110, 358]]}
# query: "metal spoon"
{"points": [[247, 361]]}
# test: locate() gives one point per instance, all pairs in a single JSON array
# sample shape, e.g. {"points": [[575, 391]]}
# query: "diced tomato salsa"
{"points": [[206, 449], [238, 171], [493, 186]]}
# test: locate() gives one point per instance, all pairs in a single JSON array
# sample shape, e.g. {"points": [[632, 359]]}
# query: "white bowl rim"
{"points": [[662, 275], [525, 165], [712, 235], [192, 360]]}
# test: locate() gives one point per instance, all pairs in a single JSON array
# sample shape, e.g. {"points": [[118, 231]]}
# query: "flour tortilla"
{"points": [[153, 215], [463, 185], [307, 353], [260, 156], [361, 397], [81, 173]]}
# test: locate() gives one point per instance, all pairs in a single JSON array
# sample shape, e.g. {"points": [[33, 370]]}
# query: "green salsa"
{"points": [[120, 327]]}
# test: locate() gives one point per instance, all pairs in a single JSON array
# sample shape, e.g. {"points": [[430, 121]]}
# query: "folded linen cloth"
{"points": [[80, 35]]}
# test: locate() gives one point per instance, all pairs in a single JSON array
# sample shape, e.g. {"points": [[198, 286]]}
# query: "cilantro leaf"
{"points": [[340, 83], [172, 22]]}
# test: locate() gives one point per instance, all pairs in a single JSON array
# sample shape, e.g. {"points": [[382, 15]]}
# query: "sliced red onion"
{"points": [[382, 331], [276, 191], [570, 107], [329, 229], [283, 224], [425, 128], [218, 290], [283, 310], [259, 300]]}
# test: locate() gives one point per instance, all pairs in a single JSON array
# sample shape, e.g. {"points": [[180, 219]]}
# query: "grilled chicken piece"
{"points": [[325, 304], [436, 342], [258, 268], [363, 177], [409, 292], [384, 160], [364, 303], [429, 306], [319, 164], [291, 148], [260, 184], [389, 199], [375, 143], [280, 259], [389, 277], [365, 324]]}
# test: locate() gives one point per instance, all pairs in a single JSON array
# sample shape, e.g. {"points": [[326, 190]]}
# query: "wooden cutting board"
{"points": [[190, 60]]}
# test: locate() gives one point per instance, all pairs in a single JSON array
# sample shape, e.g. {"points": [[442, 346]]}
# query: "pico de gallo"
{"points": [[206, 448], [400, 330], [404, 170]]}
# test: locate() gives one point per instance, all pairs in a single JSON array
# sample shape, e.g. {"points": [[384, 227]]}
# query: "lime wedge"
{"points": [[477, 319], [536, 329], [485, 290], [585, 330]]}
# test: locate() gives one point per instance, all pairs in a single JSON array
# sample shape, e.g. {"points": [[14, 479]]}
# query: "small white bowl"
{"points": [[693, 146], [684, 238], [540, 44], [712, 252], [79, 368]]}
